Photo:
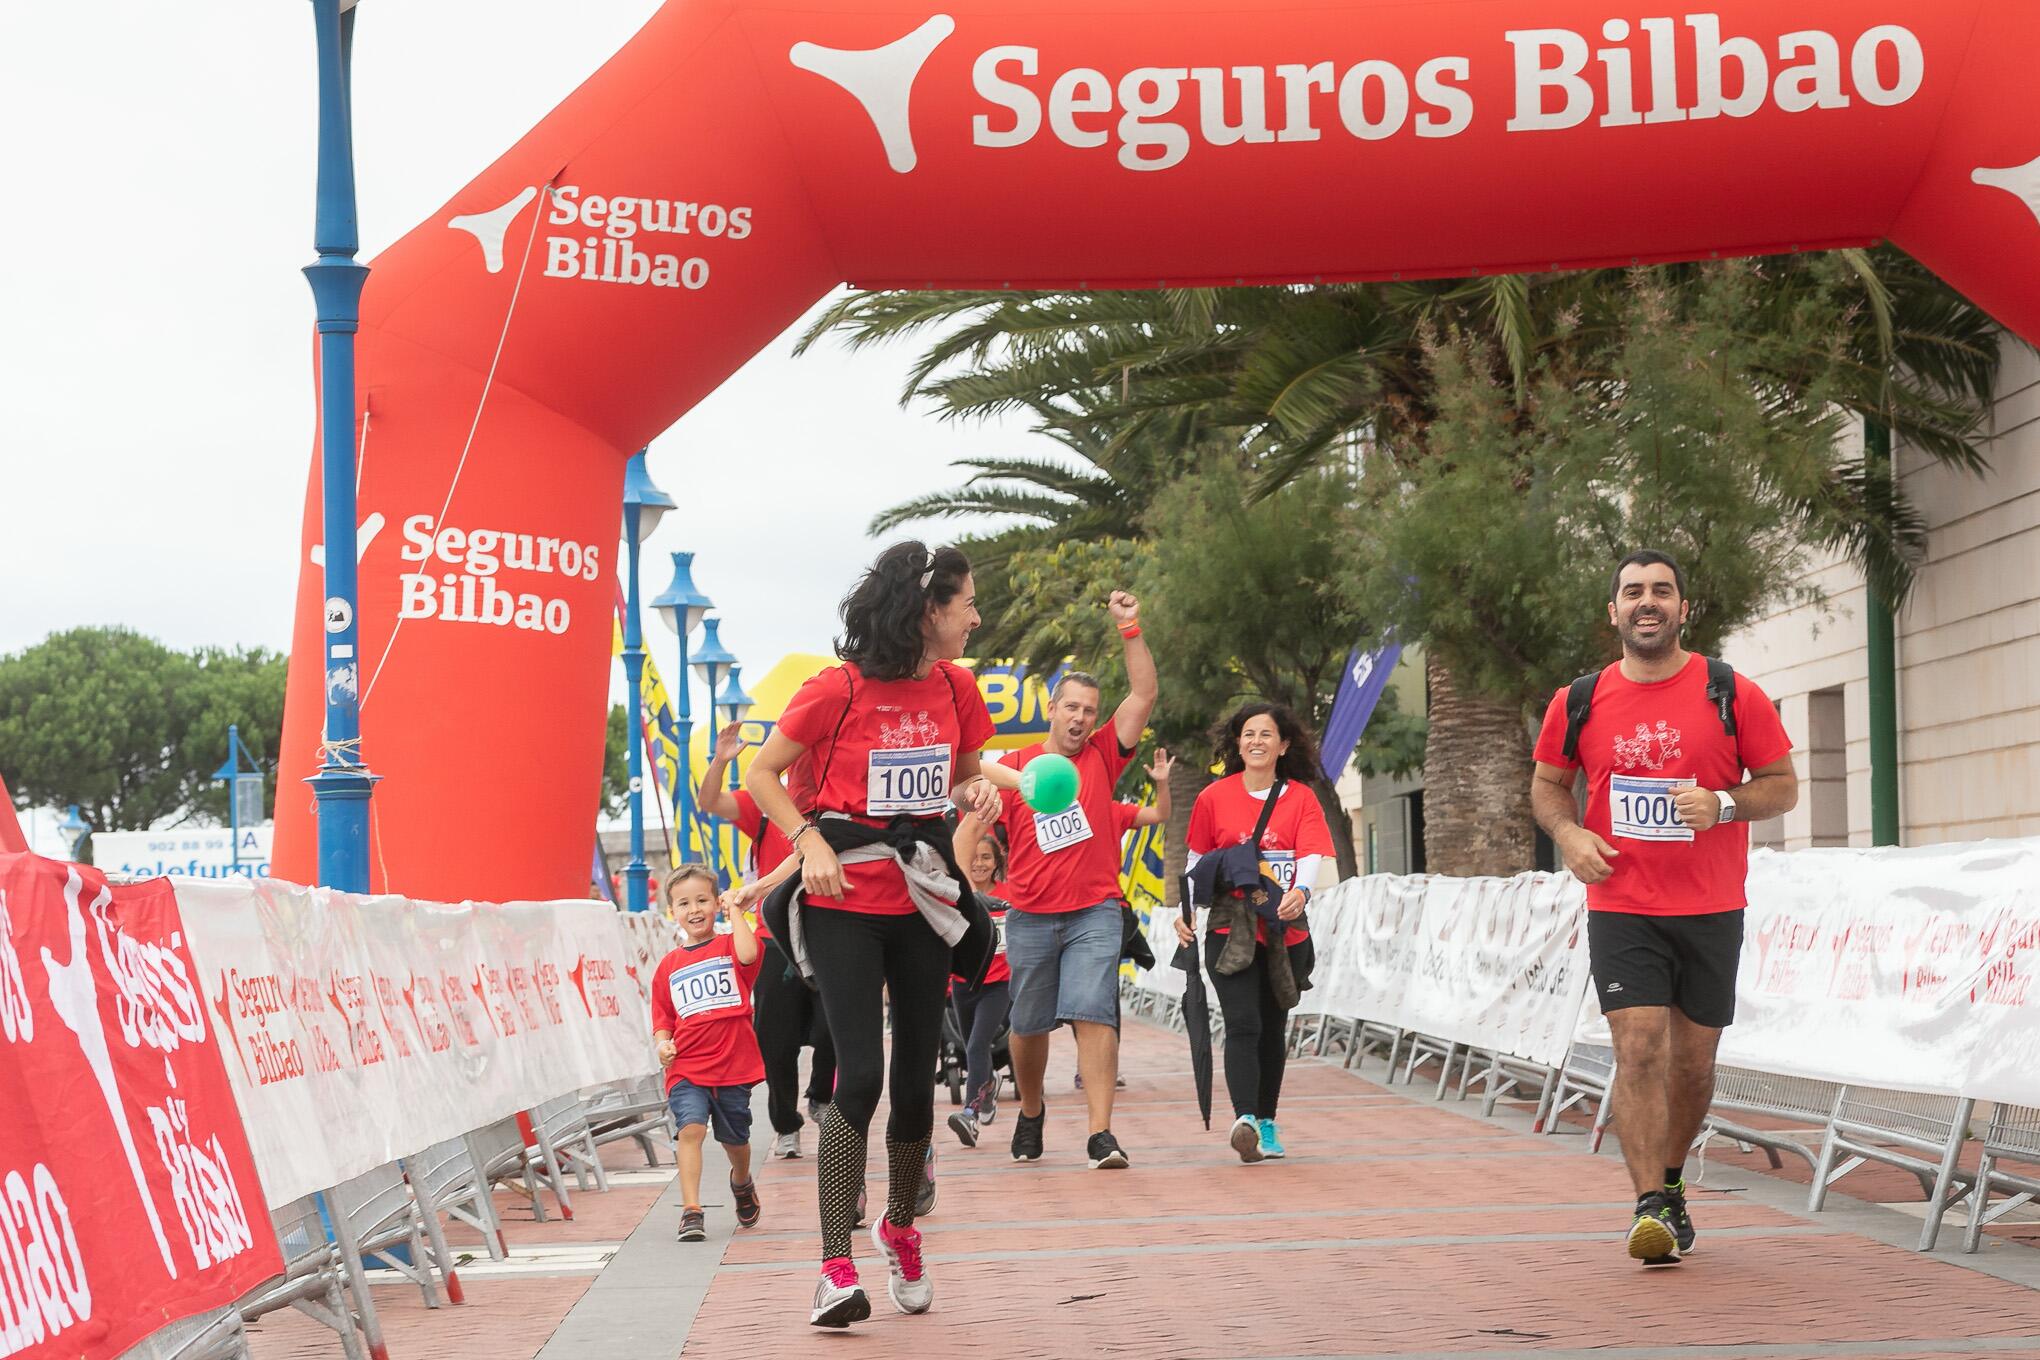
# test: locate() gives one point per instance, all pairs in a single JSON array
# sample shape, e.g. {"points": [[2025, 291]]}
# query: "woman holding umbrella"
{"points": [[1256, 839]]}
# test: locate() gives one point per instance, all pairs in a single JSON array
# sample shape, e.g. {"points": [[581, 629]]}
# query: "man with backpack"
{"points": [[1665, 738]]}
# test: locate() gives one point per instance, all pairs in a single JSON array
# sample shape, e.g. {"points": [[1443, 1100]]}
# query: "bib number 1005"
{"points": [[913, 782]]}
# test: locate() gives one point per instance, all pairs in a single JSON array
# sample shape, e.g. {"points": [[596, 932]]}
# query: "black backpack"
{"points": [[1579, 701]]}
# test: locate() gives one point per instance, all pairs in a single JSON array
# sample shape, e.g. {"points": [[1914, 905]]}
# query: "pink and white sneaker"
{"points": [[908, 1284], [839, 1298]]}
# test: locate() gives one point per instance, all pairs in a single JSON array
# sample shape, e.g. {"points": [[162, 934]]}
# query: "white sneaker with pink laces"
{"points": [[839, 1298], [908, 1284]]}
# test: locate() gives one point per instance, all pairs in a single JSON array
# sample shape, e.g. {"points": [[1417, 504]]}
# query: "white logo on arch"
{"points": [[2020, 181], [882, 80], [490, 227]]}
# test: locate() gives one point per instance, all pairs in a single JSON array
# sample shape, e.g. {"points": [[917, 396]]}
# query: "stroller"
{"points": [[952, 1068]]}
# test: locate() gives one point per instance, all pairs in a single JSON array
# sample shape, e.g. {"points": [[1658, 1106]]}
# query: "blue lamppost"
{"points": [[643, 505], [343, 783], [709, 660], [682, 606], [74, 829], [738, 704], [231, 774]]}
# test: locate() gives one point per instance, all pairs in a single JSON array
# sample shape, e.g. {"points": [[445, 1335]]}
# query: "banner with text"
{"points": [[367, 1028], [128, 1195]]}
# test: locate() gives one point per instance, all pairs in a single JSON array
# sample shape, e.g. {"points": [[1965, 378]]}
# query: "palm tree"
{"points": [[1299, 376]]}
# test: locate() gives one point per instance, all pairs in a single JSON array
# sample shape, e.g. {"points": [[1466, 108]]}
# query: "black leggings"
{"points": [[789, 1014], [979, 1013], [1256, 1032], [859, 960]]}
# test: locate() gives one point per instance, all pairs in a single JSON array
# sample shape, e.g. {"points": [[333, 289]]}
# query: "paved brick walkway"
{"points": [[1397, 1227]]}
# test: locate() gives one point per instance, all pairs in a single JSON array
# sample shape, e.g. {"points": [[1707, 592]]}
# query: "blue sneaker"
{"points": [[1271, 1141]]}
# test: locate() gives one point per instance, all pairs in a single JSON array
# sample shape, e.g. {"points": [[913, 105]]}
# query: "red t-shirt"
{"points": [[769, 846], [882, 749], [702, 996], [1122, 819], [996, 904], [1224, 815], [1640, 741], [1070, 860]]}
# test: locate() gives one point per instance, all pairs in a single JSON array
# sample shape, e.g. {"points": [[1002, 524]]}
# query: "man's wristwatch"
{"points": [[1727, 805]]}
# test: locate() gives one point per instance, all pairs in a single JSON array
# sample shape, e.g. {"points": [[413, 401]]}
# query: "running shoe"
{"points": [[693, 1225], [786, 1146], [964, 1124], [746, 1196], [924, 1198], [988, 1108], [1105, 1152], [1652, 1239], [907, 1284], [814, 1109], [1271, 1141], [1246, 1138], [1027, 1135], [1681, 1221], [839, 1298]]}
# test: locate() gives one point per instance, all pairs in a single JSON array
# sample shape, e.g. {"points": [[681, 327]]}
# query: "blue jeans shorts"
{"points": [[725, 1109], [1065, 966]]}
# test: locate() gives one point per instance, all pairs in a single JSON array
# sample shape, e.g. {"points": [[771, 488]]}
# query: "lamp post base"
{"points": [[342, 792]]}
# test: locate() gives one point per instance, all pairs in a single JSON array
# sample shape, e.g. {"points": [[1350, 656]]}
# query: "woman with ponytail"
{"points": [[893, 739]]}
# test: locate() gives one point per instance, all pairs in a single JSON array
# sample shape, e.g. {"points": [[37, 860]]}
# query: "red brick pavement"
{"points": [[1395, 1227]]}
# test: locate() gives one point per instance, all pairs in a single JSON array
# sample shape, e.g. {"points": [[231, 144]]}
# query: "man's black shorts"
{"points": [[1683, 961]]}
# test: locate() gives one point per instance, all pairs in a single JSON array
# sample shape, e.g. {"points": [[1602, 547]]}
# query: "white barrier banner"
{"points": [[1499, 963], [1916, 969], [368, 1028]]}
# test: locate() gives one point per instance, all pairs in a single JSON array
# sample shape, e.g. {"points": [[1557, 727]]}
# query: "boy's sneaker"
{"points": [[1271, 1141], [924, 1198], [964, 1124], [1027, 1135], [746, 1196], [906, 1283], [1246, 1138], [839, 1298], [786, 1146], [1652, 1239], [1682, 1222], [693, 1225], [1105, 1152]]}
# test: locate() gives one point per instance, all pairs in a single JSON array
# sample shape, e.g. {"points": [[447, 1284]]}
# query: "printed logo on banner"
{"points": [[17, 1021], [595, 980], [602, 237], [1153, 117]]}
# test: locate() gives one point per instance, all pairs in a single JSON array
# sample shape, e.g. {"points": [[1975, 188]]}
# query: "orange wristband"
{"points": [[1130, 632]]}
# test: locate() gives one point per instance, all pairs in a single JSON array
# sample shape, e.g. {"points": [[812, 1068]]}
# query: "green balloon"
{"points": [[1048, 783]]}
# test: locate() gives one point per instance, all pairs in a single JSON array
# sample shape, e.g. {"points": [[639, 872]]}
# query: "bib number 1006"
{"points": [[913, 782]]}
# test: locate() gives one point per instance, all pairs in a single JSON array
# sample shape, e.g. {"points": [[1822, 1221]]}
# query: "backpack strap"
{"points": [[849, 701], [1579, 702], [1721, 691]]}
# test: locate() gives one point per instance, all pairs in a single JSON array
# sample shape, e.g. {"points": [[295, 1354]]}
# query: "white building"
{"points": [[1968, 645]]}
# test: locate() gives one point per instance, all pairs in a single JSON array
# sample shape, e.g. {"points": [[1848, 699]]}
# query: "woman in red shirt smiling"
{"points": [[894, 737], [1266, 752]]}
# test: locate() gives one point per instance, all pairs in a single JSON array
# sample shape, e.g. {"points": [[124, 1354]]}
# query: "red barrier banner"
{"points": [[128, 1198]]}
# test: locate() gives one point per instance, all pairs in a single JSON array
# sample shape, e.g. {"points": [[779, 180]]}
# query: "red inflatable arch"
{"points": [[736, 160]]}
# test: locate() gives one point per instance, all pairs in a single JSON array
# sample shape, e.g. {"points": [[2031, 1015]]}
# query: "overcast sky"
{"points": [[155, 376]]}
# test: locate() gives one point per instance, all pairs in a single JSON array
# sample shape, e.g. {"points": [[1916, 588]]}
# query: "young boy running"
{"points": [[701, 1021]]}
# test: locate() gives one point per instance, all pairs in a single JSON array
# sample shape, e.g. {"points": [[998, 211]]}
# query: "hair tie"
{"points": [[929, 574]]}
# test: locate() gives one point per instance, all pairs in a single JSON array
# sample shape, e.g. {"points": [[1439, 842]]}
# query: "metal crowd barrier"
{"points": [[2014, 1132], [1896, 1128], [1742, 1090], [636, 1110], [217, 1335]]}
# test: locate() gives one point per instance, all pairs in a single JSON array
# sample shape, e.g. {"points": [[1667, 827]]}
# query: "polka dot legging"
{"points": [[858, 960]]}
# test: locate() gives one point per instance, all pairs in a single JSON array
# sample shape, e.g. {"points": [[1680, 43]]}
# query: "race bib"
{"points": [[999, 934], [913, 782], [1061, 830], [1279, 865], [1641, 809], [710, 985]]}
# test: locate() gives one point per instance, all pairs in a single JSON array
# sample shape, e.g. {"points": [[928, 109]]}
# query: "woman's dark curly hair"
{"points": [[882, 614], [1299, 764]]}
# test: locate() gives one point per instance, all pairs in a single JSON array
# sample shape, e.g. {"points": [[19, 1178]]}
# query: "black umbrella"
{"points": [[1196, 1009]]}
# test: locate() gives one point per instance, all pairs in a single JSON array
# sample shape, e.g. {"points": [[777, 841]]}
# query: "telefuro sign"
{"points": [[195, 852]]}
